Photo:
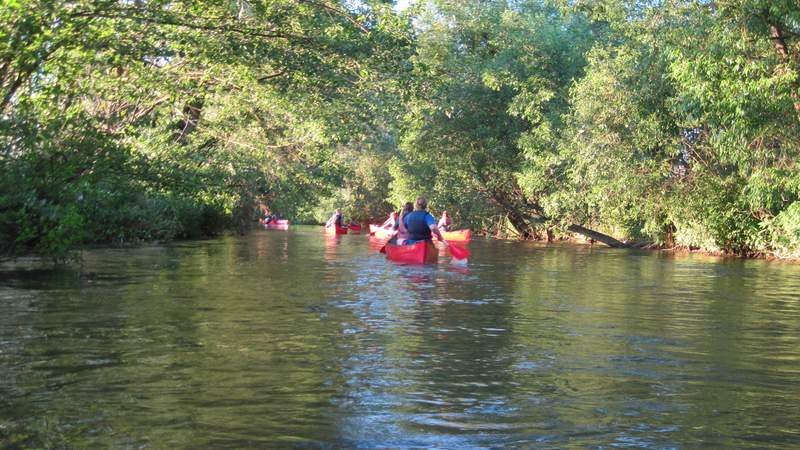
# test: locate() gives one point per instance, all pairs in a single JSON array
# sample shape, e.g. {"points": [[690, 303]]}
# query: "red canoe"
{"points": [[457, 235], [419, 253], [279, 224], [355, 227], [335, 230], [379, 232]]}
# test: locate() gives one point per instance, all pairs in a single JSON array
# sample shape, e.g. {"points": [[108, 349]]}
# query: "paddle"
{"points": [[457, 251], [383, 249]]}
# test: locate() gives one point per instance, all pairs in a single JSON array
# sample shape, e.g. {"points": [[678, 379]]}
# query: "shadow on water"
{"points": [[286, 339]]}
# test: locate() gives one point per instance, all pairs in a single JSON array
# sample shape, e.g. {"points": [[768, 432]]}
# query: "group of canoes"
{"points": [[409, 233], [456, 235]]}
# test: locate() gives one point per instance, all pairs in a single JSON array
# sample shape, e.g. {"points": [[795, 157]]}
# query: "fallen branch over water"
{"points": [[597, 236]]}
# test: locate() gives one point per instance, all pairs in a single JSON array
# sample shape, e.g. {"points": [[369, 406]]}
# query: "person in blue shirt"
{"points": [[420, 224]]}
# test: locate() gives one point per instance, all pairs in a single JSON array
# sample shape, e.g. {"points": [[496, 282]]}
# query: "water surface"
{"points": [[297, 339]]}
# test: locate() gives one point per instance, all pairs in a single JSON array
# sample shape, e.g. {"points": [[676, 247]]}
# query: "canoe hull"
{"points": [[335, 230], [420, 253], [379, 232], [277, 224], [280, 223], [457, 235]]}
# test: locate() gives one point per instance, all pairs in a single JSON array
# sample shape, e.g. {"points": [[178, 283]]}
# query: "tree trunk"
{"points": [[12, 89], [597, 236], [191, 117], [779, 40], [524, 215], [516, 209]]}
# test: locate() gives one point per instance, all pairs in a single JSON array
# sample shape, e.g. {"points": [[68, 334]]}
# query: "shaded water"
{"points": [[295, 339]]}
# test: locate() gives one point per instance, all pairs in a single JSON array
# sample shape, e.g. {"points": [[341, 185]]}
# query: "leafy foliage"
{"points": [[686, 125], [125, 121], [492, 88], [675, 122]]}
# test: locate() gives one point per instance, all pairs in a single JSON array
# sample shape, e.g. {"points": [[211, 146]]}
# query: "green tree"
{"points": [[152, 119], [685, 127], [493, 80]]}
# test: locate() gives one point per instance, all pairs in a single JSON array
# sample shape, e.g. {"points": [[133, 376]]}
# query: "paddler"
{"points": [[421, 225], [391, 221], [445, 222], [400, 229], [336, 219]]}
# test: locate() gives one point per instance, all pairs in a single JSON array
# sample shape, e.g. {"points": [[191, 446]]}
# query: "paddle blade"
{"points": [[458, 251], [461, 264], [383, 249]]}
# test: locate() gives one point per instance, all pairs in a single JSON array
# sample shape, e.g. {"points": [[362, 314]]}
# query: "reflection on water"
{"points": [[284, 339]]}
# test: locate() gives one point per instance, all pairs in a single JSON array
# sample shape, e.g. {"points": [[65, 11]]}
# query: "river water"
{"points": [[295, 339]]}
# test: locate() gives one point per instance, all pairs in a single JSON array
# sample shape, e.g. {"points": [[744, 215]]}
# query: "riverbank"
{"points": [[687, 250], [795, 259], [32, 261]]}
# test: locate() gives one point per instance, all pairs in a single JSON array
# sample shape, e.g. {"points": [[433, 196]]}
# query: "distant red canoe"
{"points": [[282, 224], [419, 253], [355, 227], [276, 223], [457, 235], [335, 230]]}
